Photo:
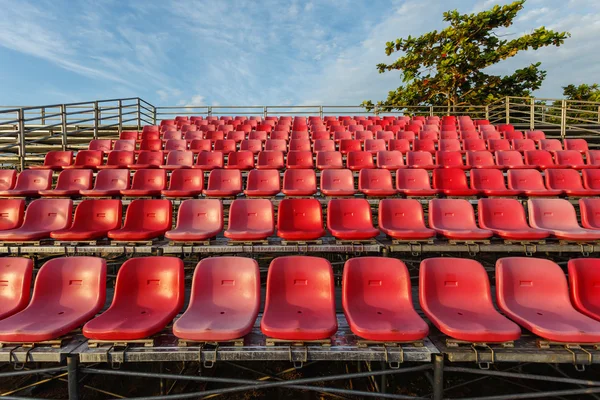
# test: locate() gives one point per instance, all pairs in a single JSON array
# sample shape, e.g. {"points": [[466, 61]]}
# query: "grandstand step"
{"points": [[149, 342]]}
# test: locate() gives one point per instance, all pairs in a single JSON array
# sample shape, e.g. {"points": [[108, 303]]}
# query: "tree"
{"points": [[583, 92], [447, 67], [579, 111]]}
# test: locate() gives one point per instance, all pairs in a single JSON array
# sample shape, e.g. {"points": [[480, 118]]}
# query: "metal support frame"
{"points": [[438, 377], [532, 114], [563, 119], [120, 116], [21, 138], [63, 124], [507, 109], [73, 382], [96, 119], [139, 114]]}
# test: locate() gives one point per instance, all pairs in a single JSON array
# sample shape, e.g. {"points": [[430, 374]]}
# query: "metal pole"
{"points": [[120, 105], [431, 111], [209, 111], [598, 114], [532, 114], [139, 112], [507, 109], [154, 115], [96, 120], [563, 119], [43, 115], [21, 139], [63, 122], [265, 112], [487, 112], [438, 377], [72, 366], [321, 112]]}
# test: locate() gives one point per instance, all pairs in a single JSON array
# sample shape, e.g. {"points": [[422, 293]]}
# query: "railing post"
{"points": [[598, 114], [431, 111], [21, 139], [544, 113], [487, 112], [63, 123], [209, 111], [139, 113], [154, 119], [507, 109], [96, 122], [120, 105], [265, 113], [563, 118], [532, 114], [43, 115], [321, 112], [376, 110]]}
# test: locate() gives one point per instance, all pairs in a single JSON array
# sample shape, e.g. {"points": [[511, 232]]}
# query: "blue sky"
{"points": [[180, 52]]}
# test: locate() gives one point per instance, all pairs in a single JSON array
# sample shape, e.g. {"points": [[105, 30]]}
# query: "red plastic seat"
{"points": [[376, 182], [568, 181], [450, 159], [104, 145], [452, 182], [337, 182], [300, 300], [148, 159], [209, 160], [300, 220], [593, 158], [590, 213], [68, 291], [374, 146], [420, 159], [149, 292], [401, 145], [262, 183], [510, 159], [93, 219], [449, 145], [177, 159], [535, 135], [242, 160], [300, 144], [455, 296], [523, 145], [350, 219], [550, 144], [348, 145], [493, 135], [530, 182], [8, 179], [174, 135], [506, 218], [15, 275], [474, 145], [69, 183], [41, 217], [490, 182], [455, 219], [403, 219], [12, 212], [279, 135], [591, 178], [86, 159], [320, 135], [558, 216], [129, 135], [200, 145], [225, 300], [377, 300], [108, 183], [225, 146], [224, 183], [480, 160], [197, 220], [144, 220], [258, 135], [571, 159], [513, 135], [414, 182], [338, 136], [329, 160], [118, 159], [237, 136], [276, 145], [495, 145], [250, 219], [151, 145], [357, 160], [299, 182], [323, 145], [146, 182], [270, 159], [579, 145], [300, 160], [390, 160], [184, 183], [254, 146], [55, 160], [541, 159], [534, 293], [426, 145], [583, 282]]}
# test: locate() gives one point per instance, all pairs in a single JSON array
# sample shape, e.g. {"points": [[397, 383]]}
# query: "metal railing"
{"points": [[28, 132]]}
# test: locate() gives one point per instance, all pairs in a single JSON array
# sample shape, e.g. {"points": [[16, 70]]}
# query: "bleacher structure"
{"points": [[414, 242]]}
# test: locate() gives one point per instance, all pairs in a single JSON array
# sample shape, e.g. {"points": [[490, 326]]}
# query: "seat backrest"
{"points": [[424, 145], [589, 209], [412, 179], [124, 145], [449, 158], [8, 179], [186, 179], [48, 214], [335, 179], [449, 178], [509, 158], [501, 214], [58, 158], [147, 157], [180, 157], [151, 144], [514, 135], [242, 159], [263, 179], [204, 214], [538, 158], [498, 145], [563, 179], [225, 146], [451, 214], [550, 144], [591, 178], [523, 145], [227, 281], [149, 179], [129, 135], [492, 135], [88, 157], [525, 179], [271, 158], [78, 283], [173, 134], [569, 157], [374, 145], [323, 145], [299, 215], [12, 212], [104, 145], [190, 136], [449, 145], [303, 159], [359, 159], [349, 214], [300, 144], [593, 157], [389, 158], [258, 135], [404, 213], [149, 214], [111, 179], [535, 135], [299, 179], [480, 158], [487, 179], [330, 158], [210, 159], [300, 281], [553, 214], [176, 145], [276, 144], [279, 135], [576, 145], [402, 145], [375, 179], [225, 179], [348, 145], [376, 282], [75, 179], [249, 214], [238, 136], [251, 145], [15, 277], [98, 215], [454, 283], [584, 279], [419, 158], [533, 283]]}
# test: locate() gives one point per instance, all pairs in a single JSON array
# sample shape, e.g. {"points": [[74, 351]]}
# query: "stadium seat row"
{"points": [[300, 299], [297, 220], [300, 182]]}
